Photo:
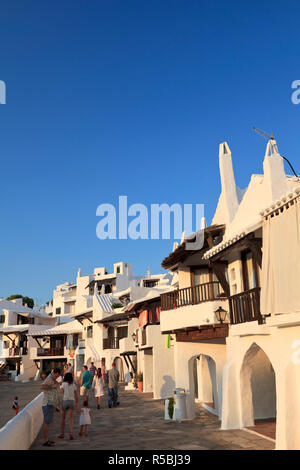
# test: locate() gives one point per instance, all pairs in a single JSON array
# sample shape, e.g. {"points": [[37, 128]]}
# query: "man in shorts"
{"points": [[86, 382], [50, 401]]}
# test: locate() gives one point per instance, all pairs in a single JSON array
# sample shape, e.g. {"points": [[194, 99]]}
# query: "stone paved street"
{"points": [[26, 392], [138, 424]]}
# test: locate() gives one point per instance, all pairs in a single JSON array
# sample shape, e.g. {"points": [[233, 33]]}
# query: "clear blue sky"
{"points": [[132, 97]]}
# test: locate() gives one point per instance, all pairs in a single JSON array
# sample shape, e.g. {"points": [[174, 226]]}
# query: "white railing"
{"points": [[21, 431]]}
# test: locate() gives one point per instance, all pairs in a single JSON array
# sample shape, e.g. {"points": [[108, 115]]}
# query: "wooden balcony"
{"points": [[245, 307], [50, 352], [111, 343], [193, 295], [14, 352]]}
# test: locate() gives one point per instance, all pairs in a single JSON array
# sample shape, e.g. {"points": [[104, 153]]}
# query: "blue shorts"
{"points": [[48, 413]]}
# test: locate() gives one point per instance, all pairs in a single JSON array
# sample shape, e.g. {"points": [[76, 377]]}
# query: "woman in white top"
{"points": [[98, 386], [70, 402]]}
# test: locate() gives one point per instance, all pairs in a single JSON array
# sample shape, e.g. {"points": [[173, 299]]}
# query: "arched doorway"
{"points": [[119, 365], [258, 392], [204, 382]]}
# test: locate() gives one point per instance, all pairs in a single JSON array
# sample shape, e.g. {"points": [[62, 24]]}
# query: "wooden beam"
{"points": [[210, 241], [38, 342], [219, 270], [133, 368], [125, 358], [255, 246], [208, 333]]}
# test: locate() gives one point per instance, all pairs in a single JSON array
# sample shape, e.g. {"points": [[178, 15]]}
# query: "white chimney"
{"points": [[229, 193], [274, 174]]}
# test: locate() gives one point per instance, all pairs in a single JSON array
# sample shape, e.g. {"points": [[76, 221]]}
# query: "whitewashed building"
{"points": [[15, 345]]}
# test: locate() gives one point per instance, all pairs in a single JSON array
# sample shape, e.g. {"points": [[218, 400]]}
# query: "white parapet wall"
{"points": [[20, 432]]}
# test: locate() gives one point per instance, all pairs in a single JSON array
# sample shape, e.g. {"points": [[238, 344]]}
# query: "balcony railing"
{"points": [[245, 307], [111, 343], [14, 351], [191, 295], [50, 352]]}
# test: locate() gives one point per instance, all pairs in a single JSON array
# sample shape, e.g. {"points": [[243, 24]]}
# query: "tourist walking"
{"points": [[86, 382], [69, 404], [15, 405], [98, 386], [113, 379], [50, 401], [93, 369], [103, 371], [85, 418]]}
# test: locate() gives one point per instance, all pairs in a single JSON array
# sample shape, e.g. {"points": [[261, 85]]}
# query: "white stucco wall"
{"points": [[184, 355], [158, 368], [278, 344], [191, 315], [20, 432]]}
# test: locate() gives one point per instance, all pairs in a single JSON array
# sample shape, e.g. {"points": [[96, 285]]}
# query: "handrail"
{"points": [[50, 351], [206, 292], [245, 307]]}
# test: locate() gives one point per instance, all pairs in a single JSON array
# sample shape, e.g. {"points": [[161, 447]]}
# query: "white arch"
{"points": [[258, 386]]}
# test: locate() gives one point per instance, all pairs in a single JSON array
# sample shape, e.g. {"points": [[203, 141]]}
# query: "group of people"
{"points": [[60, 392]]}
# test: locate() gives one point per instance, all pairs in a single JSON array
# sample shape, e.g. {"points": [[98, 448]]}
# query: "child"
{"points": [[85, 418], [16, 406]]}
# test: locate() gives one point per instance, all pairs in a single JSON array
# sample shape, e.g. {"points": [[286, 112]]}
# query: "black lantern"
{"points": [[133, 336], [221, 314]]}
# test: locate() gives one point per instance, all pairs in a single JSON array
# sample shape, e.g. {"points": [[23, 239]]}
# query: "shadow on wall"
{"points": [[167, 390]]}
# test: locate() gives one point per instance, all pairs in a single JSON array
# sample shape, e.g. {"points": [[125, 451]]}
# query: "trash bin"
{"points": [[180, 404]]}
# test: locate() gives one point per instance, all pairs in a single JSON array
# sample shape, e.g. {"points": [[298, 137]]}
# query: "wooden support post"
{"points": [[219, 269], [255, 246]]}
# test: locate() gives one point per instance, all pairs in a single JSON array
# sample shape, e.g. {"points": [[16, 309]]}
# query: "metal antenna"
{"points": [[272, 138], [263, 133]]}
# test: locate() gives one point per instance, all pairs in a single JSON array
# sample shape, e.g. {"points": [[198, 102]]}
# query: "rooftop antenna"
{"points": [[272, 138]]}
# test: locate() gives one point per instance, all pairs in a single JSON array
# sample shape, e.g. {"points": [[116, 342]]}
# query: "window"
{"points": [[118, 269], [122, 332], [89, 332], [250, 271], [2, 318], [58, 311], [150, 283]]}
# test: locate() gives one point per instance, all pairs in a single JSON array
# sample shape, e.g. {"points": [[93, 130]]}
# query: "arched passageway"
{"points": [[258, 392], [119, 365], [204, 382]]}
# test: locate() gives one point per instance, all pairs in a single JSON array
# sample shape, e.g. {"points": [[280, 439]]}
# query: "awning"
{"points": [[180, 254], [231, 241], [154, 294], [116, 317], [63, 329], [105, 280], [82, 315], [15, 329]]}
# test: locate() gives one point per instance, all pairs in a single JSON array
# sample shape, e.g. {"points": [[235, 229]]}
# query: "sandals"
{"points": [[61, 436], [49, 444], [71, 437]]}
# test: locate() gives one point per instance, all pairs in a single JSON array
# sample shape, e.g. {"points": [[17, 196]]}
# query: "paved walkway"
{"points": [[138, 424], [8, 390]]}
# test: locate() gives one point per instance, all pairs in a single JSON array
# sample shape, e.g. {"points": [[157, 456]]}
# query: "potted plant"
{"points": [[139, 381], [171, 407]]}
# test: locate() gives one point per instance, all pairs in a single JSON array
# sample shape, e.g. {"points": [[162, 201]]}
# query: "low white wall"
{"points": [[20, 432]]}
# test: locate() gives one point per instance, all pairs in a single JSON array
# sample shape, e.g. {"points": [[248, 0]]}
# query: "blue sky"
{"points": [[115, 97]]}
